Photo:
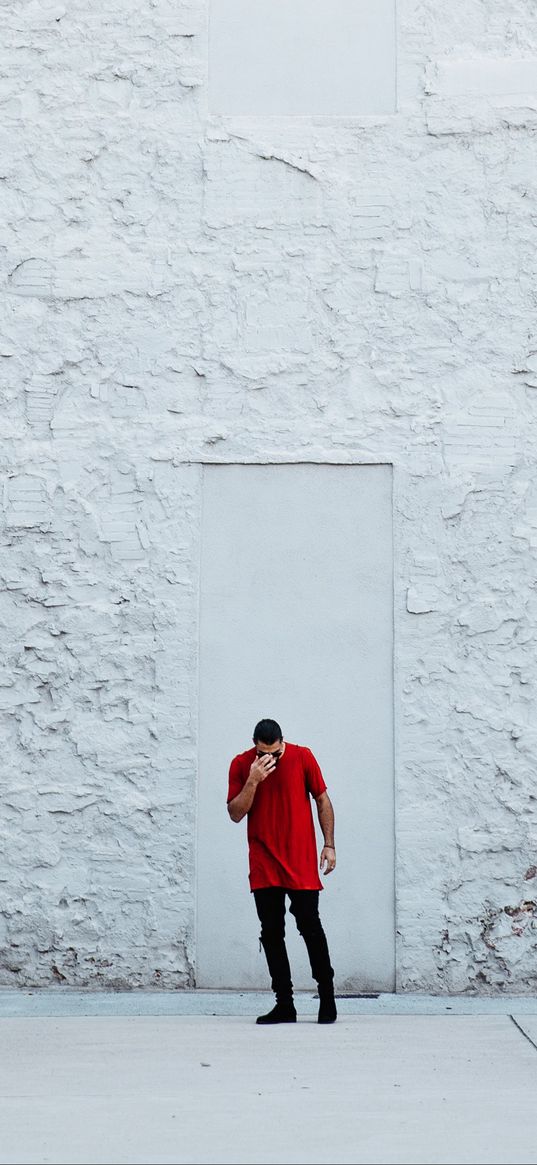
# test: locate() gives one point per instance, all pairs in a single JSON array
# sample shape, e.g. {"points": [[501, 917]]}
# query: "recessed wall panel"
{"points": [[302, 57], [296, 624]]}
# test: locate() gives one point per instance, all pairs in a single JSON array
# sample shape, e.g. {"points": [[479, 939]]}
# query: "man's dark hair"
{"points": [[268, 731]]}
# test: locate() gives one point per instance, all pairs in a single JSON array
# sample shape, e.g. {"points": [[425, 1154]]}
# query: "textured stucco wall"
{"points": [[179, 287]]}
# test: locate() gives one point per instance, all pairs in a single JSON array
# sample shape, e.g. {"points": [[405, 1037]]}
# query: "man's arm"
{"points": [[325, 813], [259, 771]]}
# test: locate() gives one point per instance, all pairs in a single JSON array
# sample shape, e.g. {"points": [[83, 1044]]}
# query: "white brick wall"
{"points": [[180, 288]]}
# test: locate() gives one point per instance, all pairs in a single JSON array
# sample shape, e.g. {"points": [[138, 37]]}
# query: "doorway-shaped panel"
{"points": [[296, 624]]}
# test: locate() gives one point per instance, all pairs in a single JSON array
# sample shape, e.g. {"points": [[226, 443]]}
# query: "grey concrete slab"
{"points": [[63, 1000], [204, 1090]]}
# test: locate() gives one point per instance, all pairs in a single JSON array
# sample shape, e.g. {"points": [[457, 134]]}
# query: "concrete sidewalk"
{"points": [[188, 1077]]}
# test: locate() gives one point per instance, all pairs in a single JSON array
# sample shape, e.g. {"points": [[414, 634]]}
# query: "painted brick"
{"points": [[180, 287]]}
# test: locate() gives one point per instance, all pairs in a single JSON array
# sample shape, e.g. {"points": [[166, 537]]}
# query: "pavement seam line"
{"points": [[525, 1034]]}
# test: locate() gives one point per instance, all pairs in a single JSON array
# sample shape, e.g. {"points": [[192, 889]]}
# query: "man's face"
{"points": [[274, 750]]}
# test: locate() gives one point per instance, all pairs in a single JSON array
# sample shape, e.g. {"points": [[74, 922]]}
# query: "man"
{"points": [[272, 783]]}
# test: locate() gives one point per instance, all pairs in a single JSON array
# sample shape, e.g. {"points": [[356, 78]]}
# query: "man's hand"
{"points": [[261, 767], [328, 859]]}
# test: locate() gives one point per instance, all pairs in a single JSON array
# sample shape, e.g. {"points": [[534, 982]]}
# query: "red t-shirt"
{"points": [[281, 832]]}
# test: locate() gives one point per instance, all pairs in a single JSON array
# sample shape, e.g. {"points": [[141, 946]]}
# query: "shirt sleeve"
{"points": [[315, 782], [236, 779]]}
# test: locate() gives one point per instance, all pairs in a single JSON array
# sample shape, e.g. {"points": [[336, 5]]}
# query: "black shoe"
{"points": [[327, 1007], [281, 1013]]}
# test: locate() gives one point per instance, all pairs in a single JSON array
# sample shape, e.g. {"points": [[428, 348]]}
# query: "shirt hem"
{"points": [[281, 886]]}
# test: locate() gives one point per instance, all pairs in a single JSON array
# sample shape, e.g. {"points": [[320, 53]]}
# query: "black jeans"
{"points": [[270, 905]]}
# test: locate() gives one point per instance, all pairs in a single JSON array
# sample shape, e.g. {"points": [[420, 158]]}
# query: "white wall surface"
{"points": [[296, 623], [181, 287]]}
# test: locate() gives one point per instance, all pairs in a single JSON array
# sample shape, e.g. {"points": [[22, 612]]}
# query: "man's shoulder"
{"points": [[243, 758], [302, 749], [301, 755], [307, 758]]}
